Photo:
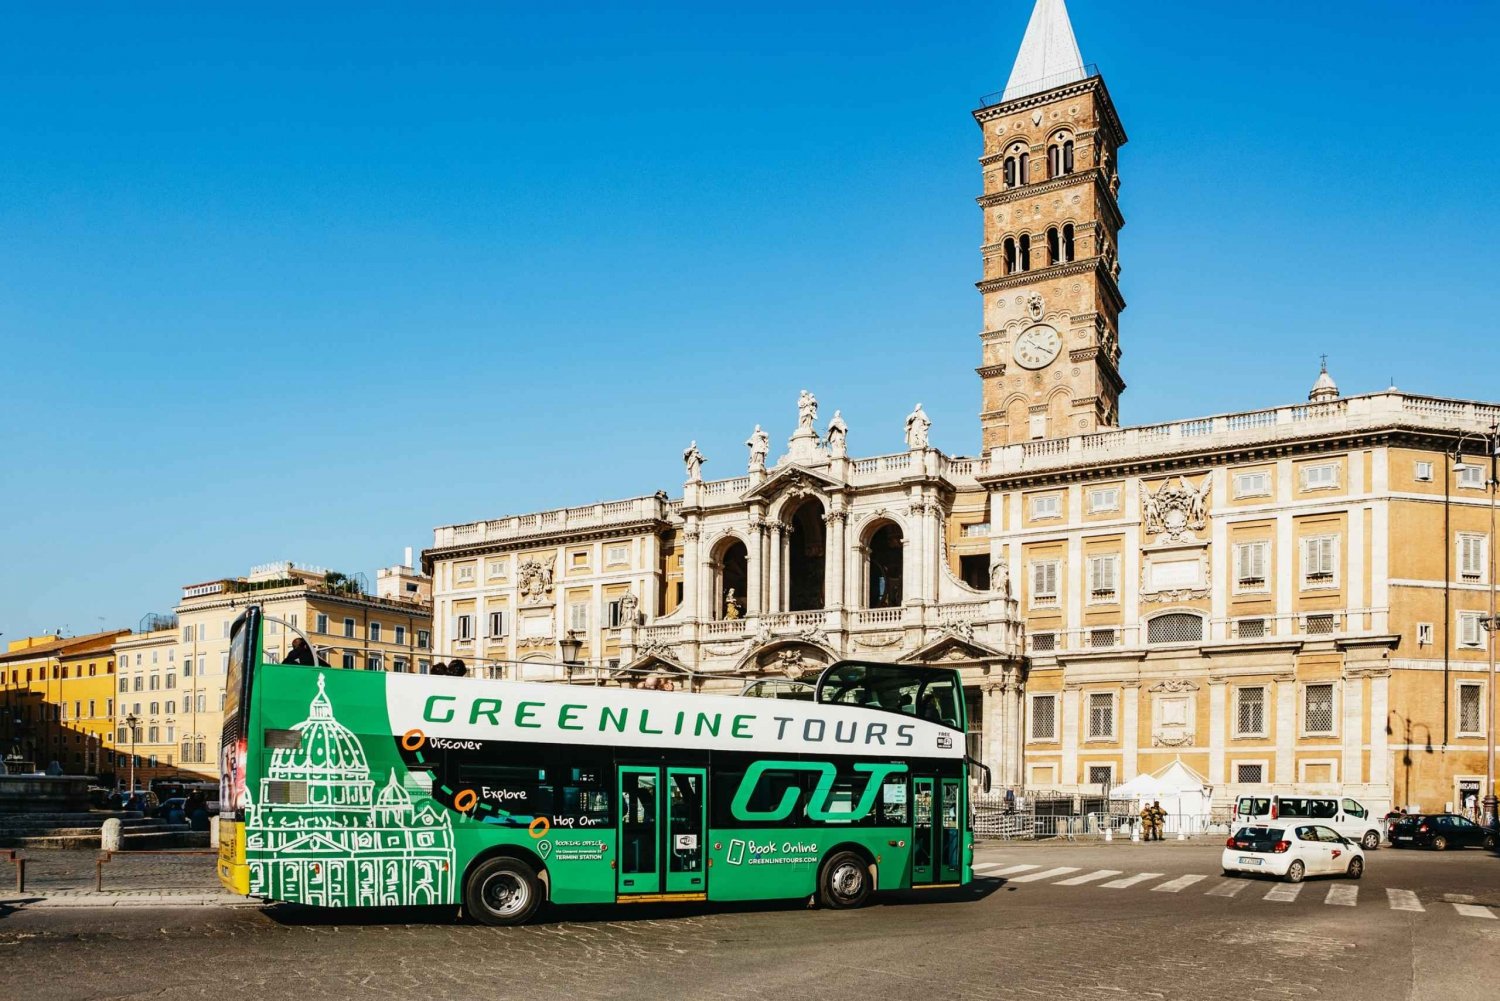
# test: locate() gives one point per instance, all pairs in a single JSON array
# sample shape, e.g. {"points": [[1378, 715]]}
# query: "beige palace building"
{"points": [[1287, 599], [172, 680]]}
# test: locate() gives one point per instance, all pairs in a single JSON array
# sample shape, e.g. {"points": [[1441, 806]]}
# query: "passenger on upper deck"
{"points": [[457, 669]]}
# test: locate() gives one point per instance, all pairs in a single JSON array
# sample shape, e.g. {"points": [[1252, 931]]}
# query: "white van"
{"points": [[1349, 817]]}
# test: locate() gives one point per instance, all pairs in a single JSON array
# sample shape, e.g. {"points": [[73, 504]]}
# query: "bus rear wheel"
{"points": [[502, 891], [844, 882]]}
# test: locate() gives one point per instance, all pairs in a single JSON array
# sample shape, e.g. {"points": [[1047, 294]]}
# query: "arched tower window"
{"points": [[1017, 162], [1054, 246], [887, 567], [1025, 252], [1067, 156], [1060, 155], [1067, 242], [1010, 255], [1025, 163]]}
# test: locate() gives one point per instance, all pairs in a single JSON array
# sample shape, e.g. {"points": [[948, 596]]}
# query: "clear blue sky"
{"points": [[279, 283]]}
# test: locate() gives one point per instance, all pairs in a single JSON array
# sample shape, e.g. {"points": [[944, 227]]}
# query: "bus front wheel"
{"points": [[502, 891], [844, 882]]}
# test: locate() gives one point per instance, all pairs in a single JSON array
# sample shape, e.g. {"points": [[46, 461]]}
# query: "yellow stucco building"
{"points": [[57, 702]]}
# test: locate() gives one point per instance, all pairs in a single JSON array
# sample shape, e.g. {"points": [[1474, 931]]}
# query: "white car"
{"points": [[1292, 852]]}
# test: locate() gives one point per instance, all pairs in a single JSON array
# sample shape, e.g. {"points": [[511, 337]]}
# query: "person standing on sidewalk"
{"points": [[1158, 818], [1148, 821]]}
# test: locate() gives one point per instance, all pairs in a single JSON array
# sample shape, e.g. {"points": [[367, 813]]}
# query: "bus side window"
{"points": [[584, 778]]}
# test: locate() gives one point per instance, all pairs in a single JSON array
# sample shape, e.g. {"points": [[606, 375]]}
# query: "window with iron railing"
{"points": [[1101, 716], [1470, 709], [1250, 712], [1044, 717], [1249, 774], [1317, 709], [1175, 627]]}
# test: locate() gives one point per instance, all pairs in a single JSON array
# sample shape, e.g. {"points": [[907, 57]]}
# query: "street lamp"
{"points": [[1492, 446], [132, 721], [570, 646]]}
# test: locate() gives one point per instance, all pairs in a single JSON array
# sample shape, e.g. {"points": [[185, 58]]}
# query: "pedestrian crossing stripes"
{"points": [[1339, 894], [1140, 877], [1228, 888], [1177, 885], [1403, 900], [1036, 877], [1089, 877], [1342, 895], [1284, 893]]}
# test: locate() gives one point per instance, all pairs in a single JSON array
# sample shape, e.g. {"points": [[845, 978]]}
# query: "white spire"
{"points": [[1049, 55]]}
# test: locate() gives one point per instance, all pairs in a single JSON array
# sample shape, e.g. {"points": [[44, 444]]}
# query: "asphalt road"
{"points": [[1026, 935]]}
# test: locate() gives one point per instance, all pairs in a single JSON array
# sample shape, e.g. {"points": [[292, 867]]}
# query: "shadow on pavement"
{"points": [[449, 914]]}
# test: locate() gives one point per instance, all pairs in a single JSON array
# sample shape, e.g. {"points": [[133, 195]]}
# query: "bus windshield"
{"points": [[924, 692]]}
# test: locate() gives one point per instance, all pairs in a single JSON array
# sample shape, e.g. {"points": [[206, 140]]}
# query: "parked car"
{"points": [[1292, 852], [1349, 817], [173, 810], [1440, 831]]}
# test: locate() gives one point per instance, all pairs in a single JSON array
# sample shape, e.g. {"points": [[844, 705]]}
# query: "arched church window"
{"points": [[1025, 253], [1054, 246], [731, 565], [1023, 165], [886, 568], [807, 554], [1067, 156], [1010, 255], [1067, 242], [1010, 172]]}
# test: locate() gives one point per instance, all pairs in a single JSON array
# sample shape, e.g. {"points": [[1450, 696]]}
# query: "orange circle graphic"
{"points": [[465, 800], [413, 740], [539, 827]]}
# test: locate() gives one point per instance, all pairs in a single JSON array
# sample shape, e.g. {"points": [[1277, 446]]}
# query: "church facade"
{"points": [[1290, 599]]}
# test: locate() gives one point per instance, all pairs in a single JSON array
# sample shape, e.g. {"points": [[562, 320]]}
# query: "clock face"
{"points": [[1037, 346]]}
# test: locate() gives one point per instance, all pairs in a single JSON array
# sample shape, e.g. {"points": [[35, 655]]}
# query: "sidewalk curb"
{"points": [[151, 900]]}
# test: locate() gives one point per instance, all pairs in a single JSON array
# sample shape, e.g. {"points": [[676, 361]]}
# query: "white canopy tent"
{"points": [[1182, 792]]}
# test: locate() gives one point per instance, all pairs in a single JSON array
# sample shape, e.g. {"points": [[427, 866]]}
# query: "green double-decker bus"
{"points": [[346, 788]]}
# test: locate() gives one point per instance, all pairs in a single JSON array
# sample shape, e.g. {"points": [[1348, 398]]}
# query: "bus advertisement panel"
{"points": [[359, 788]]}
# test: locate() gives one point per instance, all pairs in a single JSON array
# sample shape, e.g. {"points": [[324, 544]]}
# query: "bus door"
{"points": [[937, 832], [662, 827]]}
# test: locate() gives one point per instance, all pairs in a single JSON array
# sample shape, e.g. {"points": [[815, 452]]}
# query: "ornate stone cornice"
{"points": [[621, 530], [991, 371], [1106, 198], [1111, 118], [1089, 265]]}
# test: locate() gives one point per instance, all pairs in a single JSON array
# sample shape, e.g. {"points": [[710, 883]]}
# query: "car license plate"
{"points": [[1251, 861], [1402, 837]]}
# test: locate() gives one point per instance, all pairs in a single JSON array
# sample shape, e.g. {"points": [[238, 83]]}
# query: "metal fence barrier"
{"points": [[995, 817]]}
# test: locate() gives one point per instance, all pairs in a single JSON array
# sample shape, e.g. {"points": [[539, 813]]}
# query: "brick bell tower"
{"points": [[1051, 346]]}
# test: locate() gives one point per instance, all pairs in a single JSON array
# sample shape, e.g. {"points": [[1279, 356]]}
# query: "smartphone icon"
{"points": [[736, 854]]}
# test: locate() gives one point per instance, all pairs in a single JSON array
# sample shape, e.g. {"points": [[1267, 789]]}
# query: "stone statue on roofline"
{"points": [[694, 461], [917, 425], [838, 435], [759, 444], [807, 411]]}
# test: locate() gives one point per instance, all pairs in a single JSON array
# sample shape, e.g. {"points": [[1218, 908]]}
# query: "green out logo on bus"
{"points": [[817, 803]]}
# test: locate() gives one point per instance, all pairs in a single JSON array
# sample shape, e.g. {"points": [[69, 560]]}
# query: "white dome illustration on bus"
{"points": [[328, 840]]}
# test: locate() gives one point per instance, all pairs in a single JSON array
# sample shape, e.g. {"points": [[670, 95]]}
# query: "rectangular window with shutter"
{"points": [[578, 617], [1104, 499], [1471, 476], [1250, 712], [1470, 630], [1101, 716], [1044, 582], [1250, 559], [463, 628], [497, 625], [1256, 484], [1320, 561], [1317, 709], [614, 614], [1471, 556], [1046, 506], [1044, 717], [1103, 576], [1324, 476], [1424, 634], [1470, 709], [1423, 472]]}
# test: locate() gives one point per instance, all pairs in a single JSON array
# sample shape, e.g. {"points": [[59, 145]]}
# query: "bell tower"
{"points": [[1050, 343]]}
